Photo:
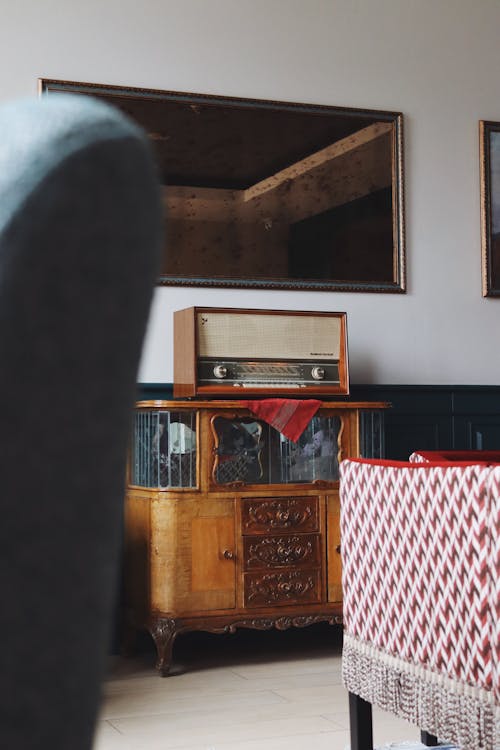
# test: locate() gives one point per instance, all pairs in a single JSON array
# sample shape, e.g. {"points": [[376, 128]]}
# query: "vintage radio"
{"points": [[228, 351]]}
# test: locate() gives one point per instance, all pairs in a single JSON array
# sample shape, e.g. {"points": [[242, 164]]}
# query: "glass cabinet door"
{"points": [[371, 434], [249, 451], [163, 452], [316, 454]]}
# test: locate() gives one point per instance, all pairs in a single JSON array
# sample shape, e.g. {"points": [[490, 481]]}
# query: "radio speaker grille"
{"points": [[233, 335]]}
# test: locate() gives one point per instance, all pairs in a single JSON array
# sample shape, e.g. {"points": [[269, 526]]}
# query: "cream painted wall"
{"points": [[437, 61]]}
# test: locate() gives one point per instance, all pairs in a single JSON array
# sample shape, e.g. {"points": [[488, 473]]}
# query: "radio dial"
{"points": [[318, 373], [220, 371]]}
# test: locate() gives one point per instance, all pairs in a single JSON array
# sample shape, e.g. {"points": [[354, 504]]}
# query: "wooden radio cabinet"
{"points": [[229, 524]]}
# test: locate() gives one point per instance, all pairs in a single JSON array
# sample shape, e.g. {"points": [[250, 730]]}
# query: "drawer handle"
{"points": [[228, 554], [337, 549]]}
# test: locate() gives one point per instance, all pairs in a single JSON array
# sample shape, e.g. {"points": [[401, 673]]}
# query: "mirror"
{"points": [[266, 194]]}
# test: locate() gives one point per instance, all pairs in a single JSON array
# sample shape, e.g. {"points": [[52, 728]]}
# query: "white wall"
{"points": [[437, 61]]}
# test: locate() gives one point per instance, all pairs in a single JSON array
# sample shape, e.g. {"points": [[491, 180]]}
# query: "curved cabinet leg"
{"points": [[164, 631]]}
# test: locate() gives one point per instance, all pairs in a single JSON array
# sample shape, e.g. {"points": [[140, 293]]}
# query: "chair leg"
{"points": [[360, 722], [429, 740]]}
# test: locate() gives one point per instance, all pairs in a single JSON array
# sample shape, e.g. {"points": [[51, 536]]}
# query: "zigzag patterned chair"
{"points": [[421, 589], [468, 456]]}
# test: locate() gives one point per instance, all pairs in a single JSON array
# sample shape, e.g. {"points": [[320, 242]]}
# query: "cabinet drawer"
{"points": [[261, 515], [282, 588], [288, 550]]}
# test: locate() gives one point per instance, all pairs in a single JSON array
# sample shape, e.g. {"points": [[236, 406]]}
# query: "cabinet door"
{"points": [[248, 451], [334, 564], [194, 556]]}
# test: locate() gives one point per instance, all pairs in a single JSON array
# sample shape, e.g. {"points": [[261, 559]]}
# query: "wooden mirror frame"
{"points": [[344, 186], [489, 155]]}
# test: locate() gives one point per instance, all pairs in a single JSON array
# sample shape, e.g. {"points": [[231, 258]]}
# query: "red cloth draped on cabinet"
{"points": [[288, 416]]}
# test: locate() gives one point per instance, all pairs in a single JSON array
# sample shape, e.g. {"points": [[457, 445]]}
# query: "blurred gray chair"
{"points": [[80, 234]]}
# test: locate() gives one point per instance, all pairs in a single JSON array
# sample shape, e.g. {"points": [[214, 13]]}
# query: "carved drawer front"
{"points": [[279, 514], [287, 550], [280, 588]]}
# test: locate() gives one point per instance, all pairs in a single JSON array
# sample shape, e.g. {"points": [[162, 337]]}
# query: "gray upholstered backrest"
{"points": [[79, 245]]}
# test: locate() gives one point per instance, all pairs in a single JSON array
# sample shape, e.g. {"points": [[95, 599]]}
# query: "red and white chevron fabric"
{"points": [[421, 564], [493, 489], [417, 458]]}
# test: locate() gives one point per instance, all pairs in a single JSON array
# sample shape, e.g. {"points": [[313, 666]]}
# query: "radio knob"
{"points": [[318, 373], [220, 371]]}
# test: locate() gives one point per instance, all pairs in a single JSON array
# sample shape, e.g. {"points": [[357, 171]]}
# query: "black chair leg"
{"points": [[360, 722], [429, 740]]}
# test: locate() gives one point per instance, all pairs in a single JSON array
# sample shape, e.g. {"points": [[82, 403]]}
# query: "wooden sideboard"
{"points": [[229, 524]]}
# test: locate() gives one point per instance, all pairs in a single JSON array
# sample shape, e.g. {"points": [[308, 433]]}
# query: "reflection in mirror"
{"points": [[270, 194]]}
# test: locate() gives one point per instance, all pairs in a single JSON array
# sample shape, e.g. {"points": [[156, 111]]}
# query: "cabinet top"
{"points": [[231, 404]]}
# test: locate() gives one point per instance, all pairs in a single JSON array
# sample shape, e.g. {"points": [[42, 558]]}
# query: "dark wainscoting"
{"points": [[424, 417], [431, 417]]}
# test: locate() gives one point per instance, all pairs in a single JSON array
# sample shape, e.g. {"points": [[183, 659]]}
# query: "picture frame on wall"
{"points": [[489, 144], [264, 194]]}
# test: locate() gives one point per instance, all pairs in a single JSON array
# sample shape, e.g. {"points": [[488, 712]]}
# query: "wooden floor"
{"points": [[249, 691]]}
